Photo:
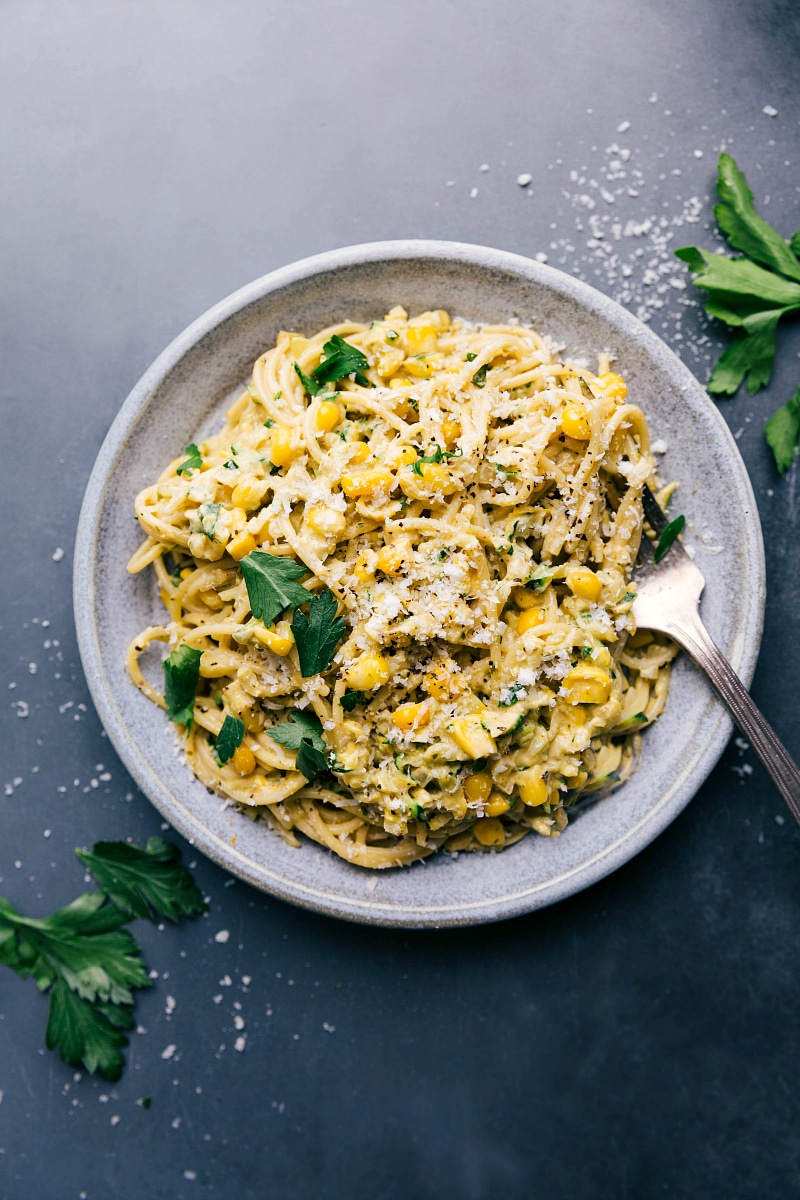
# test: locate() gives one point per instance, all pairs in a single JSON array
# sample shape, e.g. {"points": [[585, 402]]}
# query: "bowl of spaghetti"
{"points": [[369, 642]]}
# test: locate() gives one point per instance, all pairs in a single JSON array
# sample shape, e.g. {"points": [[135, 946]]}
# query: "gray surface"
{"points": [[186, 392], [640, 1039]]}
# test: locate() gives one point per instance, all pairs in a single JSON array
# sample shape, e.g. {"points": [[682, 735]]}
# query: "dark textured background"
{"points": [[638, 1040]]}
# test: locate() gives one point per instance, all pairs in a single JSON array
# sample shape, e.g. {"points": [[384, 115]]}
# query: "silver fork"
{"points": [[667, 600]]}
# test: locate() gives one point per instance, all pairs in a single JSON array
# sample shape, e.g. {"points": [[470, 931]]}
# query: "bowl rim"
{"points": [[371, 910]]}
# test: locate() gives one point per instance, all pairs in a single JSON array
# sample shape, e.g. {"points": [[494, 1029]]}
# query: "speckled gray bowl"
{"points": [[181, 397]]}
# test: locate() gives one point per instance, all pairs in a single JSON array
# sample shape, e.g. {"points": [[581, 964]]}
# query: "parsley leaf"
{"points": [[350, 699], [89, 1035], [668, 535], [181, 674], [149, 883], [471, 356], [339, 358], [193, 463], [229, 738], [209, 514], [438, 455], [743, 227], [269, 579], [303, 733], [479, 378], [311, 385], [317, 635], [782, 432]]}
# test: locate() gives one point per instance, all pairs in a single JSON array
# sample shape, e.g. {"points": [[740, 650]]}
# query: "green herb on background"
{"points": [[339, 359], [318, 634], [193, 463], [303, 733], [350, 699], [269, 579], [668, 535], [83, 957], [181, 674], [229, 738], [311, 385], [782, 432]]}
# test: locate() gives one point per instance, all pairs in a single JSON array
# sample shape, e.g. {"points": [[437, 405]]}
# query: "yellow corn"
{"points": [[366, 481], [532, 788], [529, 619], [420, 339], [367, 673], [390, 559], [389, 361], [279, 640], [249, 493], [283, 447], [358, 452], [498, 804], [244, 543], [613, 385], [328, 416], [524, 598], [243, 760], [400, 382], [403, 456], [451, 430], [327, 522], [602, 657], [478, 786], [363, 568], [443, 683], [436, 478], [297, 345], [489, 831], [411, 716], [574, 423], [469, 734], [587, 684], [584, 584], [187, 571], [424, 366]]}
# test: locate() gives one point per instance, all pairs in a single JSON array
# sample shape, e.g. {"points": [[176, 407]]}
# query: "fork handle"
{"points": [[696, 641]]}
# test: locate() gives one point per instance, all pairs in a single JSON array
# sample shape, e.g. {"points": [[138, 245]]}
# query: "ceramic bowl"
{"points": [[180, 398]]}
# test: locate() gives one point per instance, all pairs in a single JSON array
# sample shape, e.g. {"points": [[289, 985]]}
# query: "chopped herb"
{"points": [[207, 522], [471, 356], [274, 470], [750, 293], [668, 536], [586, 651], [782, 432], [317, 635], [303, 733], [419, 813], [193, 463], [231, 465], [479, 378], [439, 455], [145, 1102], [350, 699], [513, 695], [278, 395], [392, 335], [311, 385], [229, 738], [181, 675], [628, 596], [269, 579], [149, 883], [269, 423], [339, 359]]}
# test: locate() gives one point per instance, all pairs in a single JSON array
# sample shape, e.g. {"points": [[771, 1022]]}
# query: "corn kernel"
{"points": [[574, 423], [283, 447], [489, 831], [411, 716], [363, 568], [424, 365], [400, 382], [297, 345], [451, 430], [587, 684], [444, 682], [187, 571], [243, 760], [602, 657], [469, 734], [389, 361], [244, 543], [420, 339], [328, 416], [249, 493], [529, 619], [497, 805], [402, 456], [358, 452], [367, 673], [437, 478], [584, 584], [279, 640], [532, 788], [366, 481], [478, 786], [327, 522], [525, 598], [390, 559], [613, 385]]}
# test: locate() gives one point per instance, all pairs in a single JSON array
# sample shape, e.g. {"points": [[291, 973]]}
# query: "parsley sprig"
{"points": [[318, 634], [193, 463], [86, 961], [438, 455], [303, 733], [750, 294], [339, 359]]}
